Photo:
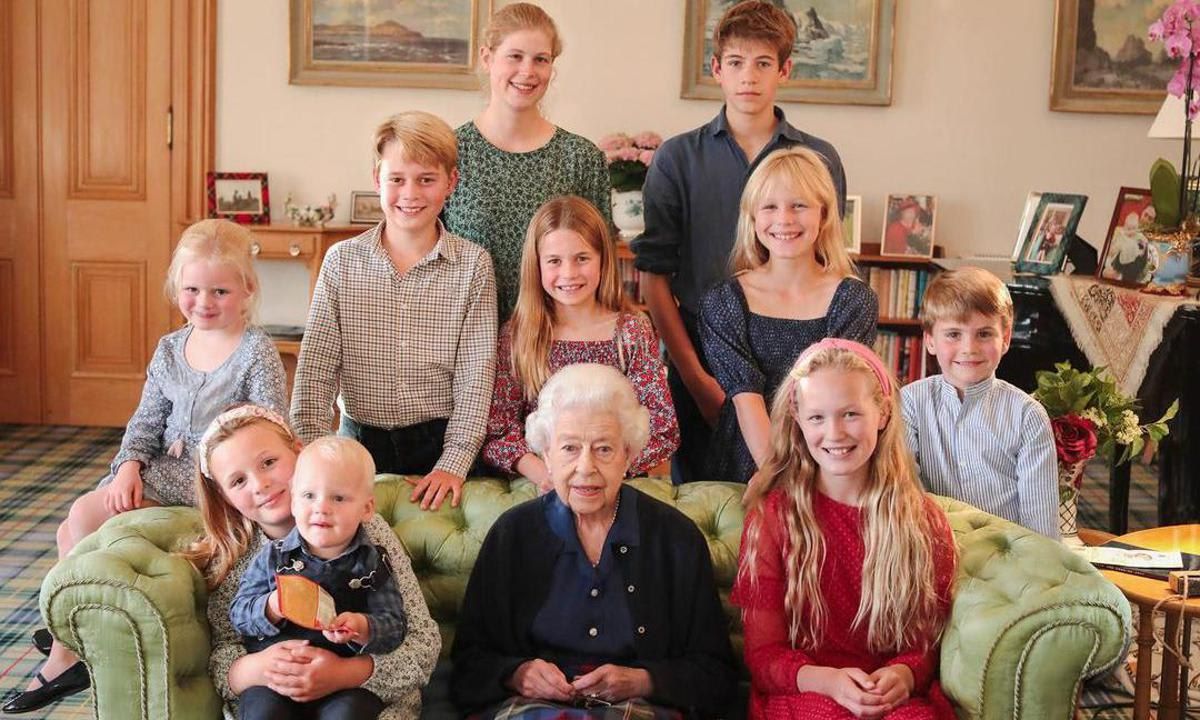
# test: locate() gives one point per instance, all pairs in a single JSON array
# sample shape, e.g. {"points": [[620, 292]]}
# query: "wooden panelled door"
{"points": [[106, 222], [20, 279]]}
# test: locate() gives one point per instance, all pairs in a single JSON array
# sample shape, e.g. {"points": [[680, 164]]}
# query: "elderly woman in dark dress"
{"points": [[595, 598]]}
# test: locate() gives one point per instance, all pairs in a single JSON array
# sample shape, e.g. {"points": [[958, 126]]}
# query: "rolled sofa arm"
{"points": [[135, 614], [1030, 621]]}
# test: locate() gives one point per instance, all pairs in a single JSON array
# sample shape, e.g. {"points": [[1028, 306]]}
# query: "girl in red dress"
{"points": [[846, 566]]}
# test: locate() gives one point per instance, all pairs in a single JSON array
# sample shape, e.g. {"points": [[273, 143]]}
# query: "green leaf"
{"points": [[1164, 193]]}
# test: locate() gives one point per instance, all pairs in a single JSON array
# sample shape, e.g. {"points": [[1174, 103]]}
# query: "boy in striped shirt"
{"points": [[975, 437]]}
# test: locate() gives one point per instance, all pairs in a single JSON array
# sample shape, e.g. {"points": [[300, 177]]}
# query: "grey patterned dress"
{"points": [[398, 676], [499, 191], [179, 402]]}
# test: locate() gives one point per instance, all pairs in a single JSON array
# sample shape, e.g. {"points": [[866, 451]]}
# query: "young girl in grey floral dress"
{"points": [[511, 159], [217, 359]]}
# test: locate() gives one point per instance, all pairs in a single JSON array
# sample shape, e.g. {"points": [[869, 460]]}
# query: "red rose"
{"points": [[1074, 438]]}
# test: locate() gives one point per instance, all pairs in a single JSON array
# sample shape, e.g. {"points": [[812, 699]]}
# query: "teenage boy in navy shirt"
{"points": [[692, 192]]}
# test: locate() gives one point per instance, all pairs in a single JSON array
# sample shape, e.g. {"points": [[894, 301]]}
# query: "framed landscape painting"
{"points": [[1103, 62], [397, 43], [842, 55]]}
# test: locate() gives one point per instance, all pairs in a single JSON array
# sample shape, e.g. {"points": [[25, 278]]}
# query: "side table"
{"points": [[1145, 593]]}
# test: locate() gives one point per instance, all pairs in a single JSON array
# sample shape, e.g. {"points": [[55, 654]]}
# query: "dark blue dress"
{"points": [[753, 353]]}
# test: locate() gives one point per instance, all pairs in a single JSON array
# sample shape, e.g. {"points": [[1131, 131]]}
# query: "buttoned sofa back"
{"points": [[1029, 620]]}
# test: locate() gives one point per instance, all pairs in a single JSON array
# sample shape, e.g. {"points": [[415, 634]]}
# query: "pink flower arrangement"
{"points": [[629, 157], [1179, 31]]}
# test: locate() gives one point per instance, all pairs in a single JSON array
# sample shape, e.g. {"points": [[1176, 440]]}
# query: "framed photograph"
{"points": [[1102, 60], [909, 222], [1054, 223], [1128, 257], [364, 207], [1031, 205], [842, 55], [392, 43], [852, 224], [239, 196]]}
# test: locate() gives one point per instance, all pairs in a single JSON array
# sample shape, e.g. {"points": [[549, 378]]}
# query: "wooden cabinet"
{"points": [[306, 245]]}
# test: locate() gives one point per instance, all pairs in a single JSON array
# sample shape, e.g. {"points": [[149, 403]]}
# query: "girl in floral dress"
{"points": [[571, 309]]}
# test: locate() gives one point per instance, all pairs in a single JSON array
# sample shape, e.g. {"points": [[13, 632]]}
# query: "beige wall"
{"points": [[968, 121]]}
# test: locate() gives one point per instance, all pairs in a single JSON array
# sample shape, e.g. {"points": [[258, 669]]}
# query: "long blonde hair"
{"points": [[803, 170], [532, 323], [227, 533], [899, 603]]}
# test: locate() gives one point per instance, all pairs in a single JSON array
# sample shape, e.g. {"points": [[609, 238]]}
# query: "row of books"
{"points": [[899, 290], [903, 353], [631, 280]]}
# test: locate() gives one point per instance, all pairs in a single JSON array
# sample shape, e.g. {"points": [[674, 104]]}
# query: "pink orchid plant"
{"points": [[629, 158], [1179, 31]]}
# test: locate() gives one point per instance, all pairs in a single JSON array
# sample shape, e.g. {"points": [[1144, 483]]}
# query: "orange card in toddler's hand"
{"points": [[304, 602]]}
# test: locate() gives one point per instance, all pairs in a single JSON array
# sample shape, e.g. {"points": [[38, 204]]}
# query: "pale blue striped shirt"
{"points": [[993, 449]]}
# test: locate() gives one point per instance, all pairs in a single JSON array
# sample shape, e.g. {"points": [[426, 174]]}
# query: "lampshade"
{"points": [[1169, 121]]}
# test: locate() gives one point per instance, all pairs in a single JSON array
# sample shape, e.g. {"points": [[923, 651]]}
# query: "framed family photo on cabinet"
{"points": [[842, 54], [397, 43]]}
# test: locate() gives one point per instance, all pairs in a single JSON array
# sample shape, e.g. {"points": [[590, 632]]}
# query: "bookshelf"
{"points": [[900, 283], [631, 278]]}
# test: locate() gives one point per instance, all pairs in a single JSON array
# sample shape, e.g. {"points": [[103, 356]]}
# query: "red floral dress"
{"points": [[633, 350], [773, 662]]}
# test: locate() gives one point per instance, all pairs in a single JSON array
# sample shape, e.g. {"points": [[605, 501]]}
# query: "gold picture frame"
{"points": [[1143, 89], [366, 43], [824, 70]]}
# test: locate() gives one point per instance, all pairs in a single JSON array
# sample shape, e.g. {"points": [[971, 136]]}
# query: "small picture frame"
{"points": [[1031, 206], [364, 207], [909, 225], [1128, 257], [852, 224], [239, 196], [1044, 248]]}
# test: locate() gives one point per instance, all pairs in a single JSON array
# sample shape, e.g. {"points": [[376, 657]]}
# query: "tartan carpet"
{"points": [[44, 468]]}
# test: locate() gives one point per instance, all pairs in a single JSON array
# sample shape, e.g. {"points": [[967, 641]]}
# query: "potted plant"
{"points": [[1091, 416], [628, 159], [1172, 191]]}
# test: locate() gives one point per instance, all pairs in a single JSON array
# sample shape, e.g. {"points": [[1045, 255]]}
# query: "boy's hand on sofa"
{"points": [[347, 627], [431, 490], [124, 493], [542, 680]]}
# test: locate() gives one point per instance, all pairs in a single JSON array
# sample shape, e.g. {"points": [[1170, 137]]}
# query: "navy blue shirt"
{"points": [[691, 194], [359, 580], [585, 621]]}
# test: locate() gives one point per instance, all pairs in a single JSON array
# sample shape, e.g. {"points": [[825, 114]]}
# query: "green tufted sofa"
{"points": [[1029, 620]]}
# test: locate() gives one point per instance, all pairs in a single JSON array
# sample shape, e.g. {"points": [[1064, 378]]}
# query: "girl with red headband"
{"points": [[846, 567]]}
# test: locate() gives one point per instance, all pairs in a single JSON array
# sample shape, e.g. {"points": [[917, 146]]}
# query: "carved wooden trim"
{"points": [[89, 178], [7, 63], [109, 301]]}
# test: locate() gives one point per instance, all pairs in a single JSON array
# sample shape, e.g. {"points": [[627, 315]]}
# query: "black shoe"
{"points": [[42, 640], [71, 681]]}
